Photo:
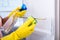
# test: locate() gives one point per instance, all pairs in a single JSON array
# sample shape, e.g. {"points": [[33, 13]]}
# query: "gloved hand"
{"points": [[23, 31], [19, 11]]}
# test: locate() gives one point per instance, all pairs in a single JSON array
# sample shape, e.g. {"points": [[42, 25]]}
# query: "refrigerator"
{"points": [[47, 29]]}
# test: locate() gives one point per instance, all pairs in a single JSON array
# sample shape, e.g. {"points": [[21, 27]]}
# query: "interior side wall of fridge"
{"points": [[45, 29]]}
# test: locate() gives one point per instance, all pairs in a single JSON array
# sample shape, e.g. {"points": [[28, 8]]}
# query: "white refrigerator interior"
{"points": [[44, 29]]}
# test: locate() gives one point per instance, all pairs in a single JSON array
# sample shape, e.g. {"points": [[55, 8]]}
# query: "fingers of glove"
{"points": [[28, 33], [32, 25], [21, 13], [14, 11], [18, 8], [29, 21]]}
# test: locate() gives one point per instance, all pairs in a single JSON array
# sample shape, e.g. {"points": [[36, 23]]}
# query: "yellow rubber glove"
{"points": [[23, 31], [17, 12]]}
